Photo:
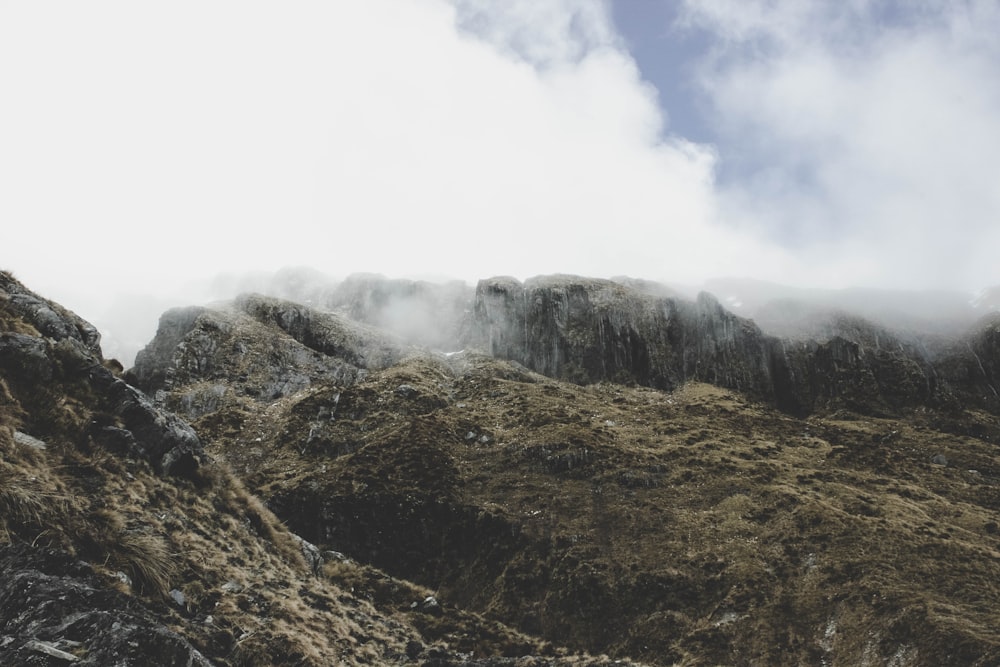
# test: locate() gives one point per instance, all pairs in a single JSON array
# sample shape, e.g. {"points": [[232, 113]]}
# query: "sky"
{"points": [[146, 147]]}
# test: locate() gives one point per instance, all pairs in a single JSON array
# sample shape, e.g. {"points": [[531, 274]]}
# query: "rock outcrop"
{"points": [[56, 346], [586, 330], [54, 610], [257, 347]]}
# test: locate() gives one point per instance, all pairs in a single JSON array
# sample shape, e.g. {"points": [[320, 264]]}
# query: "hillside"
{"points": [[123, 541], [850, 518], [670, 506]]}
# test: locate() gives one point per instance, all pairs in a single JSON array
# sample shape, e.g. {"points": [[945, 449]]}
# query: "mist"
{"points": [[153, 156]]}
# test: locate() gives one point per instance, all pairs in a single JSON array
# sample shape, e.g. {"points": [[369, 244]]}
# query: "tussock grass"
{"points": [[231, 496], [30, 502], [147, 559]]}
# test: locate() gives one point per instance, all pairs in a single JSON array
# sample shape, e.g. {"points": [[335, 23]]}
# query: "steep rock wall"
{"points": [[587, 330]]}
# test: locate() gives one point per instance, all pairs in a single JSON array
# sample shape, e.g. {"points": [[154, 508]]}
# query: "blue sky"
{"points": [[147, 147], [667, 53]]}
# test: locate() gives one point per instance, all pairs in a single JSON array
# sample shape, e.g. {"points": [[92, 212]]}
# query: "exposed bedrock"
{"points": [[588, 330]]}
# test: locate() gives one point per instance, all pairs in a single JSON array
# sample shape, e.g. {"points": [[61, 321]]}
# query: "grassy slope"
{"points": [[694, 527]]}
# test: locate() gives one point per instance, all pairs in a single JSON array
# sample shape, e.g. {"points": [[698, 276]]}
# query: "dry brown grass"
{"points": [[147, 559], [671, 527], [231, 495], [32, 501]]}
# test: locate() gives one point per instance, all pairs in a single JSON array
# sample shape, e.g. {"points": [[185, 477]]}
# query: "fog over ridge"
{"points": [[850, 145]]}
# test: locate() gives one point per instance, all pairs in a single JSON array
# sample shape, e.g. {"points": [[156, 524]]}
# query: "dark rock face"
{"points": [[566, 327], [70, 353], [586, 330], [53, 611], [50, 319]]}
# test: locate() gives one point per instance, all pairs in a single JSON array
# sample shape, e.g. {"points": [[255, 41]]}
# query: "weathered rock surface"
{"points": [[49, 319], [258, 347], [55, 611], [57, 346], [587, 330]]}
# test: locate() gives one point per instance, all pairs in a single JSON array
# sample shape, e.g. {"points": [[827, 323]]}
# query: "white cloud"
{"points": [[874, 150], [144, 145]]}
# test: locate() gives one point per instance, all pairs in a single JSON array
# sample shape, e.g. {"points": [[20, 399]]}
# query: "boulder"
{"points": [[54, 611]]}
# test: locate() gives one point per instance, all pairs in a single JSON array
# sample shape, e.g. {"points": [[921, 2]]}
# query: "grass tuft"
{"points": [[147, 560]]}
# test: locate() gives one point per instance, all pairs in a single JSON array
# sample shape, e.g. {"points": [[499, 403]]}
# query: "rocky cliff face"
{"points": [[586, 330], [52, 345]]}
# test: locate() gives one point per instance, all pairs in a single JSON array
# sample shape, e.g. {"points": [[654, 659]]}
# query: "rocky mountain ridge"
{"points": [[123, 542], [589, 330], [701, 493]]}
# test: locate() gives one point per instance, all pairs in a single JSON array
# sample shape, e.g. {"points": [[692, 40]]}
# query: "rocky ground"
{"points": [[123, 542], [705, 494]]}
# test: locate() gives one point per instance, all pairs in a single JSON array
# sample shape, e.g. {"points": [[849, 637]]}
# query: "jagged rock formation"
{"points": [[55, 346], [680, 523], [257, 347], [586, 330], [52, 606]]}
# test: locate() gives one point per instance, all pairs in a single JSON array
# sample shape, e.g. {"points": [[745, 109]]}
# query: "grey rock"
{"points": [[71, 354], [258, 347], [586, 330], [49, 650], [164, 439], [326, 332], [311, 553], [153, 361], [26, 356], [232, 587], [178, 597], [428, 605], [49, 318], [51, 604], [26, 440]]}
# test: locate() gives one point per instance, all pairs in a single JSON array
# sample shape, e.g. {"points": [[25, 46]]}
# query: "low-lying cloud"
{"points": [[146, 147]]}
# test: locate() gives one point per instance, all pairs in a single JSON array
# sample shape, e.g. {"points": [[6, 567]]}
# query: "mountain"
{"points": [[520, 473], [125, 541], [609, 467]]}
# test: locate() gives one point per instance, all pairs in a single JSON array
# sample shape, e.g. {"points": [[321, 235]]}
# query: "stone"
{"points": [[49, 318], [311, 554], [49, 650], [26, 440], [50, 602]]}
